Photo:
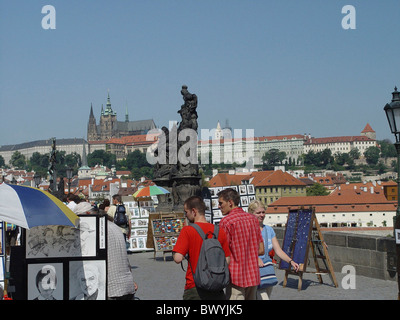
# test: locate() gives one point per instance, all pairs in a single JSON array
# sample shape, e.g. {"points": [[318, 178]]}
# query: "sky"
{"points": [[279, 67]]}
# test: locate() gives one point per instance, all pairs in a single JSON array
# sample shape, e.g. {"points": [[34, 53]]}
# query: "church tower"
{"points": [[108, 122], [369, 132], [92, 127]]}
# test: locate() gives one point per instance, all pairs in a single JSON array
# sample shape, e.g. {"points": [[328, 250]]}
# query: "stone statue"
{"points": [[188, 110], [182, 180]]}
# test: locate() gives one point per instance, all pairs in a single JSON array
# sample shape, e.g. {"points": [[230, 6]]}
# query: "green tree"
{"points": [[39, 163], [101, 157], [2, 162], [372, 155], [137, 159], [273, 157], [317, 190], [326, 157], [388, 150], [18, 160], [355, 153]]}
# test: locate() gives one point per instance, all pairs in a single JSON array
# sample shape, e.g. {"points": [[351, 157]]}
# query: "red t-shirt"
{"points": [[189, 242]]}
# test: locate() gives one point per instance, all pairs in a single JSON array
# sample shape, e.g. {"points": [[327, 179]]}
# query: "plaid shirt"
{"points": [[244, 237], [119, 274]]}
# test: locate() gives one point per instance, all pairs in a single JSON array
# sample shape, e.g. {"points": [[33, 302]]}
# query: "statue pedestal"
{"points": [[180, 189]]}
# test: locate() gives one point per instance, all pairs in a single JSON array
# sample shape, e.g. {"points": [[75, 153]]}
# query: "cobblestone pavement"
{"points": [[164, 280]]}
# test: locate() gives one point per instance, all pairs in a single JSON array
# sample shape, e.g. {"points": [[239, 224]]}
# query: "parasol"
{"points": [[29, 207], [150, 191]]}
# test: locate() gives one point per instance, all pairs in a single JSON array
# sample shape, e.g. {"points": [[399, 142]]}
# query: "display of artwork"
{"points": [[166, 232], [246, 192], [66, 263], [139, 225]]}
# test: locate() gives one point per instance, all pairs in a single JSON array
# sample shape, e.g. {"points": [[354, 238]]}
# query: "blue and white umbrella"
{"points": [[29, 207]]}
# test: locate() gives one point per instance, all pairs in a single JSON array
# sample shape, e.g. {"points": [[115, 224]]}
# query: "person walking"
{"points": [[245, 243], [116, 201], [189, 243], [270, 242]]}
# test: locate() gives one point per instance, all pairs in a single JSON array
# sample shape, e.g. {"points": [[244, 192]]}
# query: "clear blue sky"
{"points": [[278, 67]]}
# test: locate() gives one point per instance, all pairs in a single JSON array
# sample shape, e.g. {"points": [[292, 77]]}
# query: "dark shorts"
{"points": [[198, 294]]}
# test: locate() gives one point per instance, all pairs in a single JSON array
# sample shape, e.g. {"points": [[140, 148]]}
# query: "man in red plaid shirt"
{"points": [[246, 244]]}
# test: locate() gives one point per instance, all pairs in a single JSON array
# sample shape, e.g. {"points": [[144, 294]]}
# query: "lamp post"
{"points": [[69, 172], [392, 110]]}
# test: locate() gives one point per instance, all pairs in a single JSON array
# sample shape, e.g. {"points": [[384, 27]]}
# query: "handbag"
{"points": [[267, 271], [267, 275]]}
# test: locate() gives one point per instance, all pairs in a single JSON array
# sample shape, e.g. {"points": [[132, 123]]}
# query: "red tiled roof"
{"points": [[336, 139], [286, 137], [257, 178], [226, 179], [367, 129], [136, 139], [343, 202]]}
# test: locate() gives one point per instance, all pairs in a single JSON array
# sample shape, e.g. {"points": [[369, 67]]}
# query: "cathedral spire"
{"points": [[109, 111], [91, 115], [126, 113]]}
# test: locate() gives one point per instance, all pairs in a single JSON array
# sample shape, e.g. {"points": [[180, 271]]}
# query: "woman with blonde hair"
{"points": [[270, 242]]}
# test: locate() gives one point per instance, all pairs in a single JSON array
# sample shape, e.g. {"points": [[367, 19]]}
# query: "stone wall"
{"points": [[371, 256]]}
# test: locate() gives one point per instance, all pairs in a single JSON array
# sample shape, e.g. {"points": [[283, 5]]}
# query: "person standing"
{"points": [[71, 201], [117, 200], [270, 242], [120, 282], [121, 285], [189, 242], [245, 243]]}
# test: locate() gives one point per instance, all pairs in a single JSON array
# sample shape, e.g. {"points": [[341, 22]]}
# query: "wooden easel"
{"points": [[319, 251]]}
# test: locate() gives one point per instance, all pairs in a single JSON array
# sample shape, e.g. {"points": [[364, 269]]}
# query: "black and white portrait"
{"points": [[250, 189], [212, 192], [45, 281], [242, 189], [207, 202], [244, 201], [214, 203], [87, 280]]}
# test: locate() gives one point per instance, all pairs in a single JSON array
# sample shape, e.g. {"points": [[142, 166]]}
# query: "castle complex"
{"points": [[109, 127]]}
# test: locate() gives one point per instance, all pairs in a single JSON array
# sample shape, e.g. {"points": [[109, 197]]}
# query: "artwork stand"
{"points": [[165, 233], [56, 262], [302, 233]]}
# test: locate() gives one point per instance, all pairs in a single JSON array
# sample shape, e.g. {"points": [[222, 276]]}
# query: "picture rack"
{"points": [[302, 233], [56, 255], [165, 233]]}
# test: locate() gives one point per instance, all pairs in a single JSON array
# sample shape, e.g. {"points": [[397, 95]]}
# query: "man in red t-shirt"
{"points": [[189, 242], [245, 243]]}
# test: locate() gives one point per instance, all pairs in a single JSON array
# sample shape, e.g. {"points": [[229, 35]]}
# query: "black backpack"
{"points": [[212, 272], [120, 217]]}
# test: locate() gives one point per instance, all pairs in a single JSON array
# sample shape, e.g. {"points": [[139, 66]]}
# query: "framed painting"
{"points": [[45, 281], [63, 241], [242, 190], [87, 280]]}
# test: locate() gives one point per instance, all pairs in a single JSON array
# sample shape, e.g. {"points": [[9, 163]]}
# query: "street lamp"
{"points": [[393, 115], [69, 172]]}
